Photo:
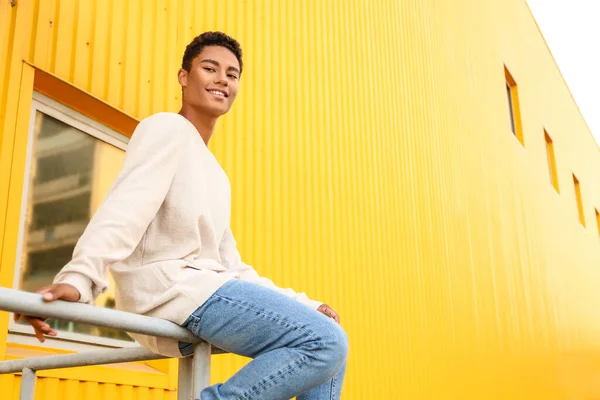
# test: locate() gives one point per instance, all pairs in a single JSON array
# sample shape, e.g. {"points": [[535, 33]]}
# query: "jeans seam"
{"points": [[195, 321], [276, 316], [264, 383], [192, 323], [333, 387]]}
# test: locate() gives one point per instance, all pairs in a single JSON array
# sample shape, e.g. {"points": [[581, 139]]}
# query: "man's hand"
{"points": [[328, 311], [57, 291]]}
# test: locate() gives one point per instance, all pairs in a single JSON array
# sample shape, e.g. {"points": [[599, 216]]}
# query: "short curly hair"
{"points": [[210, 39]]}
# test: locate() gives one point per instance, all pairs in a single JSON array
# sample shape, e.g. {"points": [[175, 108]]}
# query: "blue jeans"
{"points": [[296, 351]]}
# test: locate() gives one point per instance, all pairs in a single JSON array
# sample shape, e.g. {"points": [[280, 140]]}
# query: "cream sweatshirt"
{"points": [[163, 231]]}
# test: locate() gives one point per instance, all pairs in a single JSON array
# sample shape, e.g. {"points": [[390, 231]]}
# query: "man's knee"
{"points": [[334, 347], [341, 345]]}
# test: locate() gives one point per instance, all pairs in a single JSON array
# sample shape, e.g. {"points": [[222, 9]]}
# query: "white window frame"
{"points": [[23, 334]]}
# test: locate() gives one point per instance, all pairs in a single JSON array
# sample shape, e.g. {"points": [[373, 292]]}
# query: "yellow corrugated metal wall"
{"points": [[54, 388], [373, 166]]}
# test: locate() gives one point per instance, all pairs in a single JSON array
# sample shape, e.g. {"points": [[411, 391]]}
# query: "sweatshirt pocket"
{"points": [[169, 273], [142, 288], [205, 263]]}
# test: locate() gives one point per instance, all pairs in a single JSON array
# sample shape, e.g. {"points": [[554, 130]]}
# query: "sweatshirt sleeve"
{"points": [[230, 258], [132, 202]]}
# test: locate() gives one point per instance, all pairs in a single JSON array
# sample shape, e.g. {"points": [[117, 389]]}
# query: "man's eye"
{"points": [[209, 69], [232, 76]]}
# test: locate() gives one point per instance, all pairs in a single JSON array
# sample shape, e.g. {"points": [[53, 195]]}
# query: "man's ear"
{"points": [[182, 76]]}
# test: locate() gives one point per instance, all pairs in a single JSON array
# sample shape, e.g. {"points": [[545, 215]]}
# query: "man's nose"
{"points": [[221, 79]]}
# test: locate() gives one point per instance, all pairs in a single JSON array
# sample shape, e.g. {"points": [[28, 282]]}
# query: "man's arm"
{"points": [[230, 257], [136, 195]]}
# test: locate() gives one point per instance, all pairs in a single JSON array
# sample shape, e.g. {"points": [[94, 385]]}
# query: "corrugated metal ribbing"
{"points": [[373, 167], [7, 31], [52, 389]]}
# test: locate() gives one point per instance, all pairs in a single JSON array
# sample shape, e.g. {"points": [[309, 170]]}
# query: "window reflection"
{"points": [[71, 172]]}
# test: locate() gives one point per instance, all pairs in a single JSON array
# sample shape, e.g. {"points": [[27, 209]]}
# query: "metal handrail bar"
{"points": [[32, 304], [99, 357], [194, 371]]}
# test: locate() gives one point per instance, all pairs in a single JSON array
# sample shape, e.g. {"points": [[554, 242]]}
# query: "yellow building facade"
{"points": [[419, 165]]}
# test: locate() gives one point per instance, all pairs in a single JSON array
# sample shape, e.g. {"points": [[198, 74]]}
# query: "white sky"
{"points": [[572, 30]]}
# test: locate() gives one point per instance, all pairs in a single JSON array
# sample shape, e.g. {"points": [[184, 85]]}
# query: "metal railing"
{"points": [[194, 371]]}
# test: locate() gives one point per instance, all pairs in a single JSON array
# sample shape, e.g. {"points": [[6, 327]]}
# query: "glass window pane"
{"points": [[510, 109], [71, 172]]}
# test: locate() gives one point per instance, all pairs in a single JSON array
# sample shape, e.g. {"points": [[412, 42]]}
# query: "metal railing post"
{"points": [[201, 372], [194, 373], [184, 379], [27, 384]]}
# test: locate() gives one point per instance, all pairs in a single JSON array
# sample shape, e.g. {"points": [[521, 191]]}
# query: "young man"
{"points": [[163, 230]]}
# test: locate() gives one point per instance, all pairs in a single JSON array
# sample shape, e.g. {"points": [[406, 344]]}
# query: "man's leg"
{"points": [[330, 390], [294, 348]]}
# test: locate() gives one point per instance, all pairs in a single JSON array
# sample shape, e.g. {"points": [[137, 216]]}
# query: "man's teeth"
{"points": [[217, 93]]}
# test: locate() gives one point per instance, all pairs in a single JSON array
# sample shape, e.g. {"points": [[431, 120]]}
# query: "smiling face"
{"points": [[211, 84]]}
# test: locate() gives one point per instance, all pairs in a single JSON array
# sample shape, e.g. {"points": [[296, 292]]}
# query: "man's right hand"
{"points": [[57, 291]]}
